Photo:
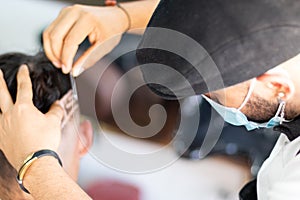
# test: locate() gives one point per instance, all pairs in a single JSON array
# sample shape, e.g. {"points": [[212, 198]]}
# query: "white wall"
{"points": [[22, 21]]}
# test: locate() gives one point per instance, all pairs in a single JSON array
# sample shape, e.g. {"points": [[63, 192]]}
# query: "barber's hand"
{"points": [[23, 128], [102, 25]]}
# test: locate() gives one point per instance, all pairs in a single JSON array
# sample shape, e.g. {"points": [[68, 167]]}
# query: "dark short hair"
{"points": [[48, 83]]}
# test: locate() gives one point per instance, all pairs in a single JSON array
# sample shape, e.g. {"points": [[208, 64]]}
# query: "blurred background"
{"points": [[234, 160]]}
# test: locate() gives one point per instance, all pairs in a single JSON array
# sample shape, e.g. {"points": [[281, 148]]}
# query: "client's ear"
{"points": [[86, 137], [279, 82]]}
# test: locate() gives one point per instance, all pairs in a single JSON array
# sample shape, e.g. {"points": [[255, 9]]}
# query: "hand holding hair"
{"points": [[23, 128]]}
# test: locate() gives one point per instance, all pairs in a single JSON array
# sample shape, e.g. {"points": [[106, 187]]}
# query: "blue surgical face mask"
{"points": [[235, 117]]}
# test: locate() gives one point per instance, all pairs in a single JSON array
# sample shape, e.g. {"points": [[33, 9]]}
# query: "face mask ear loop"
{"points": [[280, 111], [250, 91]]}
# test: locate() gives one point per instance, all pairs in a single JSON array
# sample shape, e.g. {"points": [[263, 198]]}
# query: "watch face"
{"points": [[254, 146]]}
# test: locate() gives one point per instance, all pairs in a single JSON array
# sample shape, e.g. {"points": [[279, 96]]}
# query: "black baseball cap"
{"points": [[242, 38]]}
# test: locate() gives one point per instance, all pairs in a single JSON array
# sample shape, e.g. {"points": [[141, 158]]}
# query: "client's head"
{"points": [[49, 84]]}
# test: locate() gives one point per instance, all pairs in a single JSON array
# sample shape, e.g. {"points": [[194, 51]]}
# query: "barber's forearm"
{"points": [[46, 179], [140, 12]]}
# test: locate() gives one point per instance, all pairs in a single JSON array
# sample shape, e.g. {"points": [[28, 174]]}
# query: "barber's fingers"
{"points": [[5, 100], [54, 35], [24, 91], [56, 112], [95, 53], [79, 31]]}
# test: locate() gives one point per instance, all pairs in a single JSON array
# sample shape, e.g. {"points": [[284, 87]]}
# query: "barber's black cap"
{"points": [[244, 39]]}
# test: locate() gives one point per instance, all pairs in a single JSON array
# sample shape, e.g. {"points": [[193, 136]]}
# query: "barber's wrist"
{"points": [[123, 18], [33, 157], [38, 171], [18, 162]]}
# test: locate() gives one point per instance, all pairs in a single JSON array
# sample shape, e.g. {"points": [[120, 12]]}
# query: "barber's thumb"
{"points": [[56, 111]]}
